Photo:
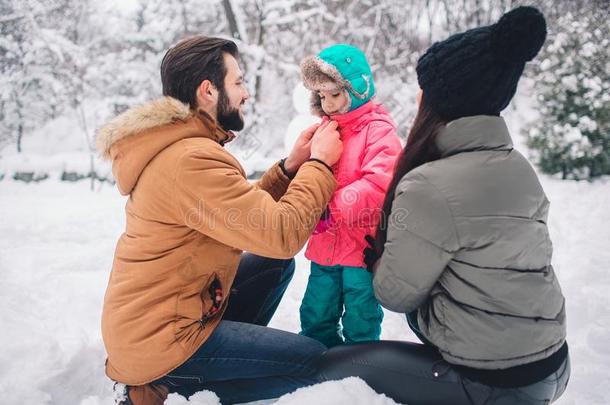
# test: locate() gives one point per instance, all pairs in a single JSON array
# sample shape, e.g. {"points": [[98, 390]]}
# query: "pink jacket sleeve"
{"points": [[360, 202]]}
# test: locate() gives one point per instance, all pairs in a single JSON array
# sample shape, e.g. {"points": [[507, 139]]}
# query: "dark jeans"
{"points": [[244, 360]]}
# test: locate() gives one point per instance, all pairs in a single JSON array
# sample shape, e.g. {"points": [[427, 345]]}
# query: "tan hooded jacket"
{"points": [[190, 214]]}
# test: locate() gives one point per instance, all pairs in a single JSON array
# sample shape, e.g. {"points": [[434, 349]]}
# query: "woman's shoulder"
{"points": [[450, 169], [427, 173], [424, 210]]}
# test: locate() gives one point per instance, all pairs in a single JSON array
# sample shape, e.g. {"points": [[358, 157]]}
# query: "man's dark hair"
{"points": [[191, 61]]}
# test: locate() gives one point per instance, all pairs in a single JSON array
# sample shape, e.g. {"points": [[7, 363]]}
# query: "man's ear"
{"points": [[207, 94]]}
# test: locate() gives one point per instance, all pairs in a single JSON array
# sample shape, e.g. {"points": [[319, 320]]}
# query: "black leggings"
{"points": [[414, 374]]}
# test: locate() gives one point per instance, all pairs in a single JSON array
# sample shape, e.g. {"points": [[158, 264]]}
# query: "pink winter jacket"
{"points": [[370, 150]]}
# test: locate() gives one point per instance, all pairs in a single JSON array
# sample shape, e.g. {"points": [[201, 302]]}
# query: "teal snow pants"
{"points": [[340, 293]]}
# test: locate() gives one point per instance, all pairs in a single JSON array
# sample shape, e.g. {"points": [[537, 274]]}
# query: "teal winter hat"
{"points": [[338, 67]]}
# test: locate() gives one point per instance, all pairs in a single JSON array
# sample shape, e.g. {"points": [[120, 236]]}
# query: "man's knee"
{"points": [[289, 267], [285, 269]]}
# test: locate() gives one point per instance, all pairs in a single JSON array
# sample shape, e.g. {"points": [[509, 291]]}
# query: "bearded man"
{"points": [[185, 308]]}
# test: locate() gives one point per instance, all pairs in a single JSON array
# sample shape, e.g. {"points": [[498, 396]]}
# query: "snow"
{"points": [[350, 391], [587, 124], [303, 118], [570, 82], [200, 398]]}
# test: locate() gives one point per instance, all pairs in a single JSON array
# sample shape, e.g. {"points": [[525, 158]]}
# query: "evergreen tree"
{"points": [[572, 135]]}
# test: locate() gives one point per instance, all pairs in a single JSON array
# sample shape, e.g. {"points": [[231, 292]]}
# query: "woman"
{"points": [[465, 250]]}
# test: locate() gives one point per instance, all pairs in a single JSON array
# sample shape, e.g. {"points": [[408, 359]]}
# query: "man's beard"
{"points": [[228, 118]]}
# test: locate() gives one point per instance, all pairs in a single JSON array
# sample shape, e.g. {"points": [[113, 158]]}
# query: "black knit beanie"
{"points": [[476, 72]]}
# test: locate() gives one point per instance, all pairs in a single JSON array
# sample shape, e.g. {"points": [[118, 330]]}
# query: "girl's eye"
{"points": [[336, 95]]}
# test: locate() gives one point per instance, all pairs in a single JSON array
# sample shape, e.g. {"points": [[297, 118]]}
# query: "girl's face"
{"points": [[333, 101]]}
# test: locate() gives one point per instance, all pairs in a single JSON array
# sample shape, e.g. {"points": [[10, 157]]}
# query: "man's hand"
{"points": [[301, 150], [326, 144]]}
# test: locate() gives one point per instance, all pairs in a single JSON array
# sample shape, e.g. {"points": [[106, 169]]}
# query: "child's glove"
{"points": [[371, 253], [326, 222]]}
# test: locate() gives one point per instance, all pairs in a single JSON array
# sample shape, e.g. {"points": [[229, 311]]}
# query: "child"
{"points": [[339, 286]]}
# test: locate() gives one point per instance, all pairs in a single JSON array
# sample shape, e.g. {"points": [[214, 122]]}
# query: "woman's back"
{"points": [[480, 213]]}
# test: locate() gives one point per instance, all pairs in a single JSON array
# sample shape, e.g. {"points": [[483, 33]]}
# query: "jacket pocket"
{"points": [[196, 303], [213, 299]]}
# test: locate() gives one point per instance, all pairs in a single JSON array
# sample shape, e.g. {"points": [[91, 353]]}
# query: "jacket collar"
{"points": [[134, 138], [345, 120], [213, 130], [480, 132]]}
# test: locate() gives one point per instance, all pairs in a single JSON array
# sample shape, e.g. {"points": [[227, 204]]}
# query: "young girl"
{"points": [[339, 286]]}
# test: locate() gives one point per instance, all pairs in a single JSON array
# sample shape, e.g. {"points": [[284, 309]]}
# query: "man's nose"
{"points": [[245, 95]]}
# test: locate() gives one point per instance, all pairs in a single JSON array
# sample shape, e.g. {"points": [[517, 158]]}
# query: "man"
{"points": [[185, 310]]}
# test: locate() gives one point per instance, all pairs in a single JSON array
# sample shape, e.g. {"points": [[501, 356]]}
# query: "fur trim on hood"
{"points": [[135, 137], [159, 112], [318, 75]]}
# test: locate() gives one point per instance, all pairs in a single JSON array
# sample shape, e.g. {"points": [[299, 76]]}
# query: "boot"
{"points": [[147, 394]]}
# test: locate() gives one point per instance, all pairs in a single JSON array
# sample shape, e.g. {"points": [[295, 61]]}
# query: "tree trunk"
{"points": [[185, 23], [19, 136], [259, 68], [226, 4], [20, 126]]}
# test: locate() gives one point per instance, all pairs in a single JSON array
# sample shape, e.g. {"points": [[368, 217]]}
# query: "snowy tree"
{"points": [[30, 91], [572, 136], [87, 61], [276, 35]]}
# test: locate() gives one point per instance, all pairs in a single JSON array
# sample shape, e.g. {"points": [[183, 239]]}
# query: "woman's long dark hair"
{"points": [[420, 148]]}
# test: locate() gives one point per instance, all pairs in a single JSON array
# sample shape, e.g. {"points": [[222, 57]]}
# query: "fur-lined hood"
{"points": [[139, 119], [135, 137]]}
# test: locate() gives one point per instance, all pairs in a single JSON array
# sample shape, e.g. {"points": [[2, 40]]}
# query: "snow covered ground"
{"points": [[56, 246]]}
